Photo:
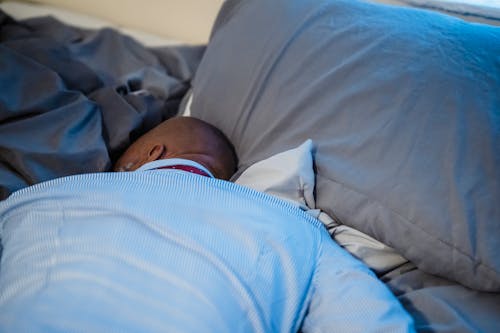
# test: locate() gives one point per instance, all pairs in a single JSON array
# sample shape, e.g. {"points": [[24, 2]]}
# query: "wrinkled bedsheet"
{"points": [[71, 99]]}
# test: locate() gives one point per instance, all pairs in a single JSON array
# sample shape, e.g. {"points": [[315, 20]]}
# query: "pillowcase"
{"points": [[288, 175], [402, 104]]}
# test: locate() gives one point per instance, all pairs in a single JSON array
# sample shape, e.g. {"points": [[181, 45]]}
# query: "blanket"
{"points": [[189, 254], [71, 100]]}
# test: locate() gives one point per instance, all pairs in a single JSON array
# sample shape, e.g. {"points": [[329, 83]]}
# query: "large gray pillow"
{"points": [[402, 104]]}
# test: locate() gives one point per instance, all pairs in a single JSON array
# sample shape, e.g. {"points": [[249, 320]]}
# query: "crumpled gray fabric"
{"points": [[71, 100]]}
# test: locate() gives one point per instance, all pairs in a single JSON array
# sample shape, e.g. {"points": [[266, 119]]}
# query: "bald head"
{"points": [[182, 137]]}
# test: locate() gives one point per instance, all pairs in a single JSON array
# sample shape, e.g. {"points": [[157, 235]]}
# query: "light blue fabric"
{"points": [[172, 252]]}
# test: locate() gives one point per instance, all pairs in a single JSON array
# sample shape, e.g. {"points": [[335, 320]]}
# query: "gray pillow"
{"points": [[403, 105]]}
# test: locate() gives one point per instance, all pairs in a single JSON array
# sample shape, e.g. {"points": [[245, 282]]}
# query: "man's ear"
{"points": [[156, 152]]}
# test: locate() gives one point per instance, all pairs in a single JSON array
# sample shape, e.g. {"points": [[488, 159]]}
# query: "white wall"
{"points": [[188, 20]]}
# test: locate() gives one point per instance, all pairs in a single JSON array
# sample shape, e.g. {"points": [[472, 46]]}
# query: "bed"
{"points": [[382, 121]]}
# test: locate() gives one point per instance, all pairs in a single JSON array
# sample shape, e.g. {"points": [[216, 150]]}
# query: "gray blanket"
{"points": [[71, 100]]}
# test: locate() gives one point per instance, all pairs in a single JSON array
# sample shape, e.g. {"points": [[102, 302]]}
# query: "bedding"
{"points": [[437, 305], [76, 98], [403, 106], [399, 137], [404, 145], [290, 176], [127, 252]]}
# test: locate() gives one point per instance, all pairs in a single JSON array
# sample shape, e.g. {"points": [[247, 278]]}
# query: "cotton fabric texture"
{"points": [[404, 108], [193, 254]]}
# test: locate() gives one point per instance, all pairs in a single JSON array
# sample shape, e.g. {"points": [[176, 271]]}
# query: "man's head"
{"points": [[182, 137]]}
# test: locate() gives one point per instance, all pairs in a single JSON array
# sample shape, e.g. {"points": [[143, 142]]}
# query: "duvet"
{"points": [[190, 254]]}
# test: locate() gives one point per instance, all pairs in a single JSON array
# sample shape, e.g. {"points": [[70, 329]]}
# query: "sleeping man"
{"points": [[184, 143], [169, 250]]}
